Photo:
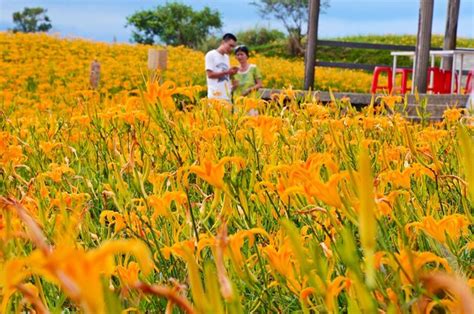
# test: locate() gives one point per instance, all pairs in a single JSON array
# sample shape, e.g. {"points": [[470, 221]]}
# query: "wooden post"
{"points": [[94, 78], [450, 33], [423, 44], [157, 62], [310, 57]]}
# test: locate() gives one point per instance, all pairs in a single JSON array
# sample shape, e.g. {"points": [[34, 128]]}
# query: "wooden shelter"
{"points": [[310, 56], [450, 34], [423, 44]]}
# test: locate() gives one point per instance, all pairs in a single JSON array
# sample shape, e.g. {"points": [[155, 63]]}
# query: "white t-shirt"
{"points": [[221, 87]]}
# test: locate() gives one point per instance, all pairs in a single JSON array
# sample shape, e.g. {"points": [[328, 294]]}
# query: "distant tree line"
{"points": [[174, 24], [293, 14], [178, 24]]}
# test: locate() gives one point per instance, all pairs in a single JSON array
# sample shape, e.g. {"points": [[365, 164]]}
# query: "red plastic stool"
{"points": [[375, 80], [469, 82], [404, 80], [436, 86], [446, 84]]}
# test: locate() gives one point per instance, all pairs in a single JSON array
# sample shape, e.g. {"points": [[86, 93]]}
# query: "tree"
{"points": [[258, 36], [293, 14], [174, 24], [31, 20]]}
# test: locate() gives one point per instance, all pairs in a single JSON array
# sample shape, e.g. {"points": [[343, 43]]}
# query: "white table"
{"points": [[397, 54], [455, 54], [410, 54]]}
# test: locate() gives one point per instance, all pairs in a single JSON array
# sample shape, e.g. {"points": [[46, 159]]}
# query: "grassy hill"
{"points": [[39, 64]]}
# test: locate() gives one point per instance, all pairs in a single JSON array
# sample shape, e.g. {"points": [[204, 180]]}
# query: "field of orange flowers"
{"points": [[145, 197]]}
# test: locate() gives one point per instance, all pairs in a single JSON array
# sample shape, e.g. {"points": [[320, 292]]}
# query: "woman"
{"points": [[248, 78]]}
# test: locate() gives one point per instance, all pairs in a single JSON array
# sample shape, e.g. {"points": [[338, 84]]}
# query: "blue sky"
{"points": [[104, 20]]}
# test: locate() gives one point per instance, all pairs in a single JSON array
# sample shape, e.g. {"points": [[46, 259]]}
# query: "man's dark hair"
{"points": [[242, 48], [228, 37]]}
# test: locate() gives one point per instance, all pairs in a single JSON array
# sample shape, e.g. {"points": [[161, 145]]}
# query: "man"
{"points": [[218, 69]]}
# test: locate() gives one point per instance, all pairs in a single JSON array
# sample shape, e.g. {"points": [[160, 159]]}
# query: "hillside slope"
{"points": [[40, 63]]}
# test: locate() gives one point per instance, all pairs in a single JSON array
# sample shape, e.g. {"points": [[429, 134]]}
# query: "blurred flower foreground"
{"points": [[142, 196]]}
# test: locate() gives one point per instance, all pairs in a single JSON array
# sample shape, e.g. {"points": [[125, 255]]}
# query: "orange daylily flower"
{"points": [[213, 173], [384, 203], [266, 126], [282, 261], [112, 218], [458, 299], [453, 114], [334, 288], [179, 249], [47, 147], [399, 179], [389, 101], [161, 205], [77, 271], [236, 241], [162, 93], [9, 148], [285, 193], [189, 91], [305, 178], [453, 225], [411, 263], [249, 103], [128, 274], [57, 171], [326, 192]]}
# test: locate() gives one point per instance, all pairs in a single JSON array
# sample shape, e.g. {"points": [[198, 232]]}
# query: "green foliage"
{"points": [[174, 24], [209, 43], [365, 56], [371, 56], [436, 40], [293, 14], [258, 39], [31, 20], [259, 36]]}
